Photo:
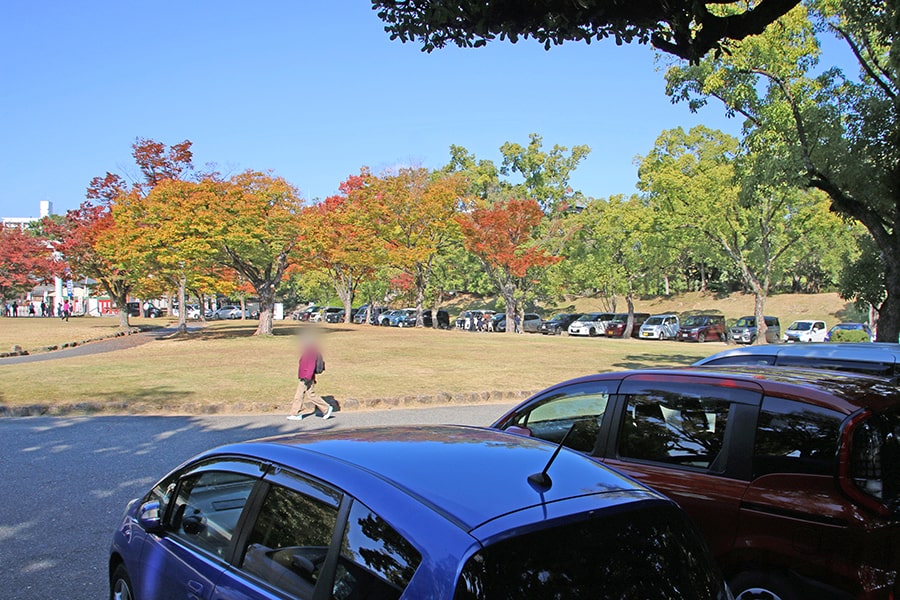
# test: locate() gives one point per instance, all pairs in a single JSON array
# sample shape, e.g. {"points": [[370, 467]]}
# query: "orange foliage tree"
{"points": [[340, 237], [255, 228], [506, 239], [416, 210]]}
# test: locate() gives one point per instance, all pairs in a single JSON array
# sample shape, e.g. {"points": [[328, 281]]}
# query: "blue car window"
{"points": [[207, 509], [795, 437], [290, 540], [375, 562]]}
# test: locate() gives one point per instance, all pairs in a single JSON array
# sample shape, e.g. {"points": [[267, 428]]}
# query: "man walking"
{"points": [[311, 364]]}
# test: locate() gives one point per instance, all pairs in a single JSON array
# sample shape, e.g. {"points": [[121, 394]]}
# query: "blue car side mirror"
{"points": [[148, 516]]}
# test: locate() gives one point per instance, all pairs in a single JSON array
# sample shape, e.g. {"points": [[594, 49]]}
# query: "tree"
{"points": [[341, 237], [255, 226], [828, 131], [685, 28], [157, 236], [416, 219], [618, 243], [25, 261], [80, 240], [545, 175], [505, 239], [693, 178]]}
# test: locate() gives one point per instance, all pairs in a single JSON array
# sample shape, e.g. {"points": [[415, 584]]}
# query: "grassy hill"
{"points": [[787, 307]]}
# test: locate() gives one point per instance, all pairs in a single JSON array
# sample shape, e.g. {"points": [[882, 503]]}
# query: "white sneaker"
{"points": [[295, 418], [328, 412]]}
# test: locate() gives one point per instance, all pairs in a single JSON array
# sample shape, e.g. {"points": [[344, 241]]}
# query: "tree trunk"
{"points": [[348, 308], [889, 311], [702, 276], [266, 308], [122, 302], [629, 322], [182, 306], [421, 284], [244, 306], [759, 313], [509, 297], [666, 284]]}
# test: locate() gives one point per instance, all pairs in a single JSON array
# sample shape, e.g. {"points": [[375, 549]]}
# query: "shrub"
{"points": [[849, 335]]}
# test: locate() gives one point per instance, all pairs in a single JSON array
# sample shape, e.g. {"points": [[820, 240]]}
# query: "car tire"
{"points": [[761, 585], [662, 336], [701, 337], [120, 587], [592, 332]]}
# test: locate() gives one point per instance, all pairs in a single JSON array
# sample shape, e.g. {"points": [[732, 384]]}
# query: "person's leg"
{"points": [[316, 399], [297, 404]]}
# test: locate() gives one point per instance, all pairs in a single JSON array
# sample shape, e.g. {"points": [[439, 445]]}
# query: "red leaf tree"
{"points": [[506, 239], [25, 261], [340, 236]]}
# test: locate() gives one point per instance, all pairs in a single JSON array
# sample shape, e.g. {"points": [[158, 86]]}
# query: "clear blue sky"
{"points": [[312, 90]]}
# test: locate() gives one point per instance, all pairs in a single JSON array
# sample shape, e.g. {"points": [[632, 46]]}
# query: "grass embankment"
{"points": [[224, 369]]}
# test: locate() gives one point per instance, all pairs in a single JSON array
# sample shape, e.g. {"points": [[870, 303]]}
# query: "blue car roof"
{"points": [[863, 351], [468, 475]]}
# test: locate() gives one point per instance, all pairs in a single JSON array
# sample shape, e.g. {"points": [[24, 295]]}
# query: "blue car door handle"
{"points": [[196, 589]]}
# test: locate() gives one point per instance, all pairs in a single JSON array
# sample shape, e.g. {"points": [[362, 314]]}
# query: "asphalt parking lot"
{"points": [[67, 480]]}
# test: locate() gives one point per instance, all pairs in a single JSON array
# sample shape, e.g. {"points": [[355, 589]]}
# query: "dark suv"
{"points": [[409, 320], [701, 328], [559, 323], [792, 475]]}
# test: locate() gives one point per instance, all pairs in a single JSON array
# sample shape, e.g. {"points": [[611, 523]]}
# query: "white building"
{"points": [[45, 210]]}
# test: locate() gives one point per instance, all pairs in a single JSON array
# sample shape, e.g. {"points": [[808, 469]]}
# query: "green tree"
{"points": [[825, 129], [686, 28], [618, 244], [695, 178]]}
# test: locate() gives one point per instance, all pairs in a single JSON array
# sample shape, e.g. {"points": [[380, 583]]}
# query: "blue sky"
{"points": [[312, 90]]}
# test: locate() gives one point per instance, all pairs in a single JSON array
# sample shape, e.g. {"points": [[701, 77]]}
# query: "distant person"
{"points": [[44, 311], [66, 310], [311, 364], [518, 322], [31, 311], [15, 309]]}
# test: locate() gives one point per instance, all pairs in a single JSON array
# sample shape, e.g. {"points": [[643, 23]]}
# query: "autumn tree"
{"points": [[158, 236], [832, 131], [506, 238], [416, 218], [25, 261], [340, 237], [81, 240], [255, 228]]}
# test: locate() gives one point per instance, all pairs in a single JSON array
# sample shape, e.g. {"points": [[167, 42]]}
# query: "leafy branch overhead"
{"points": [[686, 28]]}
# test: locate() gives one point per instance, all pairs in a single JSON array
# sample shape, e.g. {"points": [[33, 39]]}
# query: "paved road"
{"points": [[110, 345], [67, 480]]}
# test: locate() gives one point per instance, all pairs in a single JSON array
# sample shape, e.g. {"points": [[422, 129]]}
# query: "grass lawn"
{"points": [[35, 333], [224, 367]]}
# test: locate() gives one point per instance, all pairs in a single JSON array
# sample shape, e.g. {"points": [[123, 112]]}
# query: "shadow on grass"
{"points": [[211, 332], [652, 361]]}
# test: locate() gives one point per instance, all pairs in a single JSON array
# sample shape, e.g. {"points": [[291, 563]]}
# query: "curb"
{"points": [[256, 408], [19, 351]]}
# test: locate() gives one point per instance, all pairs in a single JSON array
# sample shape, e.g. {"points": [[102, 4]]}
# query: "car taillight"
{"points": [[872, 461]]}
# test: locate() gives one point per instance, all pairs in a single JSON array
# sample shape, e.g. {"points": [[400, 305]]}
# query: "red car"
{"points": [[793, 476], [616, 327]]}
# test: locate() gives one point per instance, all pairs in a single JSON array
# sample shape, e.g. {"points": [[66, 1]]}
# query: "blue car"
{"points": [[421, 512]]}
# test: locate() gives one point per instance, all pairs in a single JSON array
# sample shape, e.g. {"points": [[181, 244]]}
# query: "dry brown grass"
{"points": [[225, 366]]}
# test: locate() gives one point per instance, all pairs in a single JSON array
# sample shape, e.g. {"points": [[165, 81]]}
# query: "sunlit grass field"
{"points": [[224, 368]]}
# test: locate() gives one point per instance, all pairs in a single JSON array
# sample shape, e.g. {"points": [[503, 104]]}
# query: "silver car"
{"points": [[660, 327], [871, 359], [591, 324]]}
